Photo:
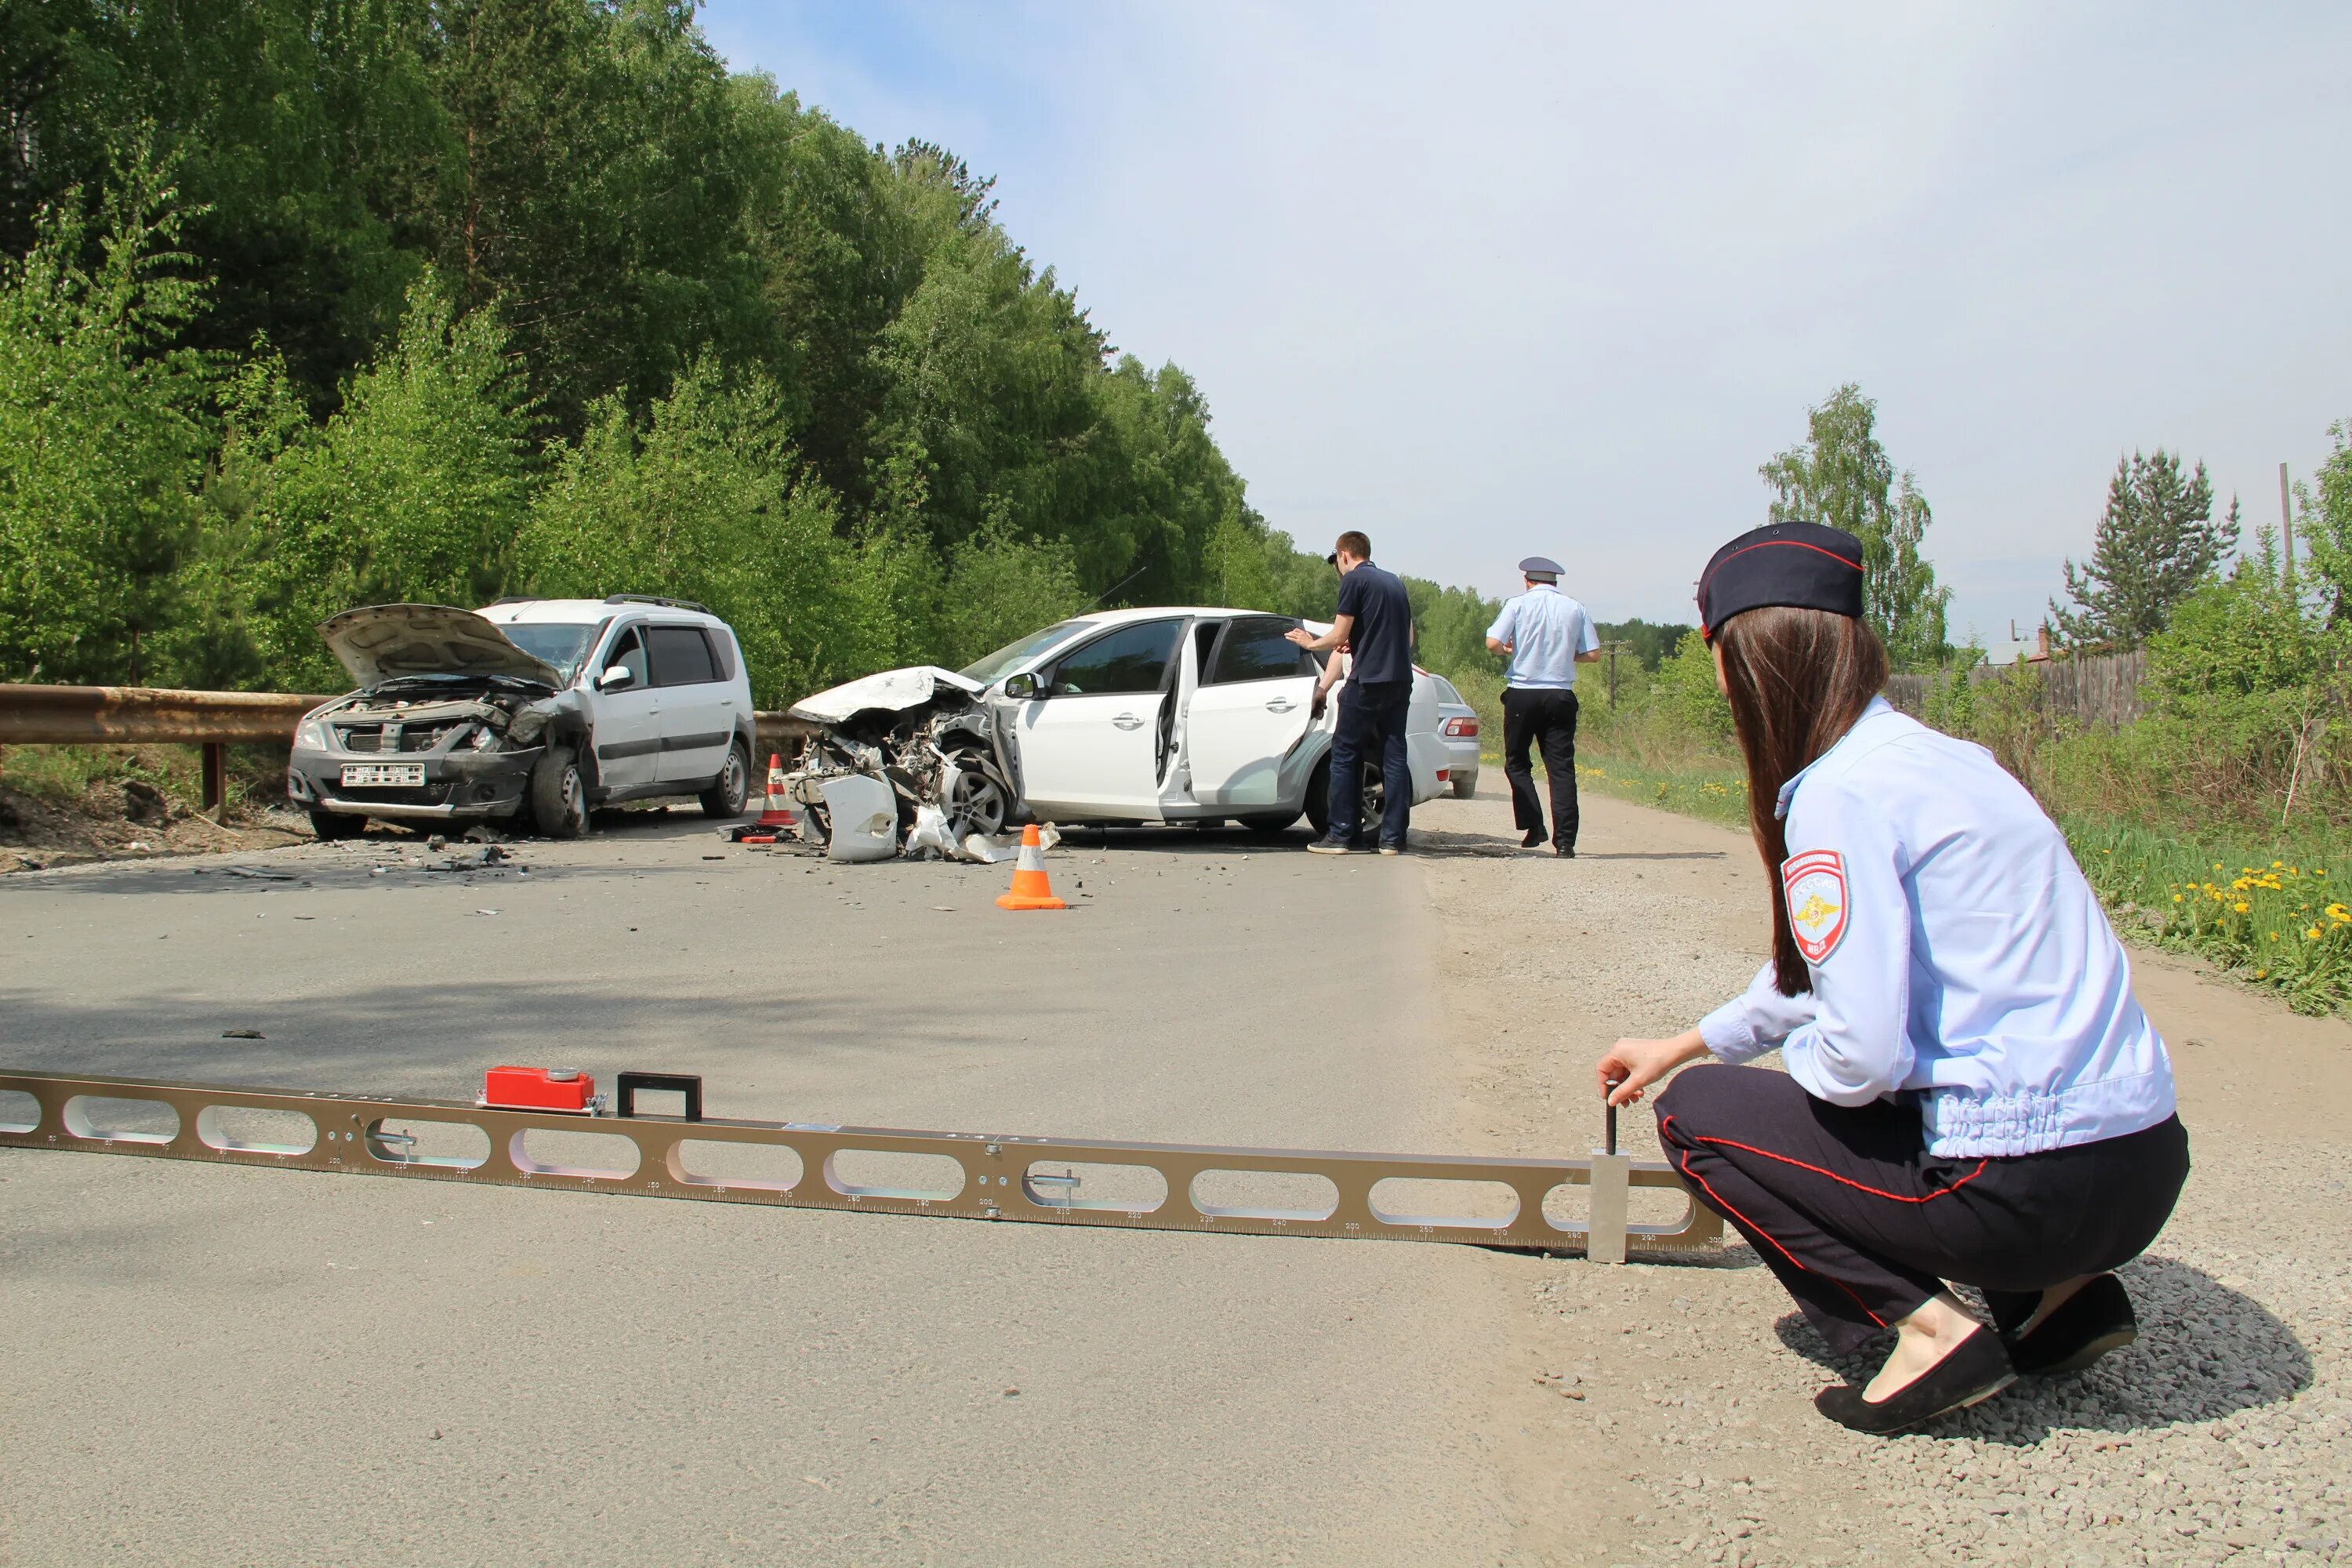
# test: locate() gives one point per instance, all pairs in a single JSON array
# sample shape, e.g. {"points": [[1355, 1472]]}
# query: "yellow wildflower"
{"points": [[2242, 906]]}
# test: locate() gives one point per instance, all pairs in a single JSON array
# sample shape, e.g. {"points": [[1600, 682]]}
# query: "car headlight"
{"points": [[311, 735]]}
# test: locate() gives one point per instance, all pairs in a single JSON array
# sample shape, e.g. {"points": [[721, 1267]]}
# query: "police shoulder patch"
{"points": [[1815, 885]]}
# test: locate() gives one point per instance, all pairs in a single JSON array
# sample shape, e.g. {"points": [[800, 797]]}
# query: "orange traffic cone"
{"points": [[1031, 891], [779, 812]]}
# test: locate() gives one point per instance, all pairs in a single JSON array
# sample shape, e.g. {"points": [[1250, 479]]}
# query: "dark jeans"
{"points": [[1863, 1224], [1547, 720], [1372, 717]]}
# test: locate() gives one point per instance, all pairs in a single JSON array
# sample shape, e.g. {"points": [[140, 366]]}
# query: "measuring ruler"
{"points": [[998, 1176]]}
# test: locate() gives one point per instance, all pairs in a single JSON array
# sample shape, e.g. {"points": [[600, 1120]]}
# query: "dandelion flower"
{"points": [[2242, 906], [2312, 935]]}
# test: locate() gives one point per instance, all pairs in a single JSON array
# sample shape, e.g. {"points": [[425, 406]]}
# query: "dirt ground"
{"points": [[1659, 1412]]}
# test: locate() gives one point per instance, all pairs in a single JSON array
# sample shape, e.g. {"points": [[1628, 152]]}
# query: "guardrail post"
{"points": [[215, 785]]}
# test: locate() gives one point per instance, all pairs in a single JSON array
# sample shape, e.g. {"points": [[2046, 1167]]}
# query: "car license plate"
{"points": [[384, 775]]}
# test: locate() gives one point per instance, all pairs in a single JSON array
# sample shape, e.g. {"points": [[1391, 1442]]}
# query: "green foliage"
{"points": [[708, 502], [2155, 542], [2326, 518], [1689, 693], [102, 436], [1842, 477], [416, 489], [1648, 643]]}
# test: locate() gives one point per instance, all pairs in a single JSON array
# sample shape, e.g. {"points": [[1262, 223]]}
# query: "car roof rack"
{"points": [[657, 599]]}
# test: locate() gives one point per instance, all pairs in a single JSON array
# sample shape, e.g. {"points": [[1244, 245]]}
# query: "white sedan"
{"points": [[1125, 717]]}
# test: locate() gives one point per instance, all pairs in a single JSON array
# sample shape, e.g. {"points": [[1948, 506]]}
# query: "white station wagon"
{"points": [[1164, 714]]}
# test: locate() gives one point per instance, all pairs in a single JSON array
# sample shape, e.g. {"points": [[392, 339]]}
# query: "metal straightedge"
{"points": [[1001, 1177]]}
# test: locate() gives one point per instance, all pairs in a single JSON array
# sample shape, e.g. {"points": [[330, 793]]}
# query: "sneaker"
{"points": [[1329, 845], [1391, 848]]}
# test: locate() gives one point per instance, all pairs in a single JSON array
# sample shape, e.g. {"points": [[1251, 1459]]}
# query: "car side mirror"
{"points": [[617, 678], [1023, 687]]}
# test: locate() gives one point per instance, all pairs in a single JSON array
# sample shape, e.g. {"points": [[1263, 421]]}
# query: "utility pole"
{"points": [[2287, 525]]}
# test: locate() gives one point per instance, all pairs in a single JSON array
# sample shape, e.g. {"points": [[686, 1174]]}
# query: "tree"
{"points": [[102, 436], [2327, 519], [2155, 542], [1842, 477]]}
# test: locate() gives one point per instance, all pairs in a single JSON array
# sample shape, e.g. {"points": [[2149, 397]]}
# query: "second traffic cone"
{"points": [[1031, 891], [779, 812]]}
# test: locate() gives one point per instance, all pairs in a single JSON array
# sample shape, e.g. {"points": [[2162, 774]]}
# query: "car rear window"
{"points": [[1259, 650], [681, 656]]}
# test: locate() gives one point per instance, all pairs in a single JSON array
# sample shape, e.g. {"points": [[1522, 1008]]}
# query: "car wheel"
{"points": [[1269, 823], [1465, 788], [733, 790], [1376, 800], [1319, 798], [559, 796], [332, 825], [980, 804]]}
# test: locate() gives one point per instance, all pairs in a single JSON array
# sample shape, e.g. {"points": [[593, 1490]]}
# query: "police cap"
{"points": [[1801, 565], [1542, 568]]}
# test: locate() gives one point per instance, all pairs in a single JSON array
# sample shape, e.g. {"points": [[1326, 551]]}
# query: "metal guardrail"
{"points": [[852, 1170], [133, 715]]}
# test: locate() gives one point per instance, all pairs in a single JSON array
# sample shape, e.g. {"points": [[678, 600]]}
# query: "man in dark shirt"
{"points": [[1375, 625]]}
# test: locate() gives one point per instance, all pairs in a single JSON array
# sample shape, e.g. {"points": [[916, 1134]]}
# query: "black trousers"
{"points": [[1546, 720], [1863, 1225], [1371, 718]]}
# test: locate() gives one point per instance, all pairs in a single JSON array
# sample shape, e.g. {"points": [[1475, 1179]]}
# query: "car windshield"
{"points": [[561, 643], [1014, 655]]}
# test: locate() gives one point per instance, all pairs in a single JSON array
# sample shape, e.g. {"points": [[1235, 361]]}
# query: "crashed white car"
{"points": [[1126, 717]]}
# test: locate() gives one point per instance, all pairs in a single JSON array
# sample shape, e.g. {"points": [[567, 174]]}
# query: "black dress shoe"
{"points": [[1535, 836], [1977, 1371], [2094, 1319]]}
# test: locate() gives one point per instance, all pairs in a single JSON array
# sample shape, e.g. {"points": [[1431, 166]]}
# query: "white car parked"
{"points": [[1166, 714], [1457, 726]]}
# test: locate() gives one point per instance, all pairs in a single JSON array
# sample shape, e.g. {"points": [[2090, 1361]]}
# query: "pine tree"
{"points": [[2155, 542]]}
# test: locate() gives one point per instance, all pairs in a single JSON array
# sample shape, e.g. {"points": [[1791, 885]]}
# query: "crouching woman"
{"points": [[1972, 1093]]}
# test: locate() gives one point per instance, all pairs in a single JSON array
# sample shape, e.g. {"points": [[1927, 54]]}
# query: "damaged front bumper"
{"points": [[432, 761]]}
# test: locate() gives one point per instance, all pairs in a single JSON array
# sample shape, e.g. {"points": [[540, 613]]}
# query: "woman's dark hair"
{"points": [[1797, 680]]}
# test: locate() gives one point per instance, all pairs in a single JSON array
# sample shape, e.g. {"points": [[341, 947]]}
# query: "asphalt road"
{"points": [[219, 1365]]}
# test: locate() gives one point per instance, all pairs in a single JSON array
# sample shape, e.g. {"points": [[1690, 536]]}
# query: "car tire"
{"points": [[1267, 824], [333, 825], [1465, 788], [732, 792], [558, 796], [1319, 798]]}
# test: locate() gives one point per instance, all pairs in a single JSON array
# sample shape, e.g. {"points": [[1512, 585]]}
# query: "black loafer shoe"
{"points": [[1970, 1374], [1535, 836], [2095, 1320]]}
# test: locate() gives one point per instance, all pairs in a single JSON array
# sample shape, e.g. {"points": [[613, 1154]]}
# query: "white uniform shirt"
{"points": [[1546, 630], [1956, 952]]}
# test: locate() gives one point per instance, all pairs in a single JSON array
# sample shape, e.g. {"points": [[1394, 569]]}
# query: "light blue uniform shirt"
{"points": [[1956, 954], [1547, 630]]}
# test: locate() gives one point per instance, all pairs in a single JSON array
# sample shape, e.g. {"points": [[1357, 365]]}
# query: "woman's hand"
{"points": [[1633, 1066]]}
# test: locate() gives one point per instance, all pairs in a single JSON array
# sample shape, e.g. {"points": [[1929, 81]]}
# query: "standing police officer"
{"points": [[1547, 635]]}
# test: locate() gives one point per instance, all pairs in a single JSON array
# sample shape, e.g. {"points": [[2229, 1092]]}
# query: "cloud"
{"points": [[1484, 281]]}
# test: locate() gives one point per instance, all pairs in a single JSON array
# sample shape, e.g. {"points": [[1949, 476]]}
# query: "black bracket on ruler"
{"points": [[685, 1083]]}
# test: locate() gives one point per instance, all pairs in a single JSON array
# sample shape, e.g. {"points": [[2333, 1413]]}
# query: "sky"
{"points": [[1493, 280]]}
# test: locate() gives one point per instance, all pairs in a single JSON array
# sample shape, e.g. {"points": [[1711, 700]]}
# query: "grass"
{"points": [[64, 776], [2277, 912], [1718, 795]]}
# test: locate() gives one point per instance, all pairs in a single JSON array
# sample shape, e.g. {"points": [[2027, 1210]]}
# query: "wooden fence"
{"points": [[2096, 688]]}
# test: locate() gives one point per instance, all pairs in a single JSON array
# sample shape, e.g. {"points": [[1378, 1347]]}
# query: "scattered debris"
{"points": [[242, 1034], [494, 912], [255, 873], [143, 802]]}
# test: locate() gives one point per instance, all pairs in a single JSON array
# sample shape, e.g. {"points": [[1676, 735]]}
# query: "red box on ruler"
{"points": [[538, 1088]]}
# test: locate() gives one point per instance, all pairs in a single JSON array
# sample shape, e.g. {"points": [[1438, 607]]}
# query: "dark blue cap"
{"points": [[1538, 566], [1801, 565]]}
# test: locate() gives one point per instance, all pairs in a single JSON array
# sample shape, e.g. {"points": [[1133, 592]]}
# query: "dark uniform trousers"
{"points": [[1863, 1225], [1547, 720]]}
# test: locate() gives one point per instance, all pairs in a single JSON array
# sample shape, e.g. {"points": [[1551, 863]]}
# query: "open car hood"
{"points": [[892, 691], [385, 642]]}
